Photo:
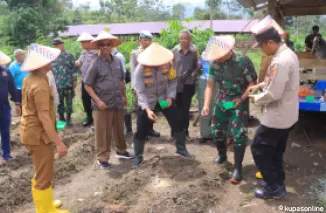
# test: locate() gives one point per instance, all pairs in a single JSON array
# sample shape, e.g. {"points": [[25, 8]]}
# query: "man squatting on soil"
{"points": [[233, 74], [280, 113], [37, 127], [155, 79], [145, 40]]}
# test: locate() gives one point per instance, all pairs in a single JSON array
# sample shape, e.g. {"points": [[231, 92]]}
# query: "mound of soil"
{"points": [[163, 185], [15, 176]]}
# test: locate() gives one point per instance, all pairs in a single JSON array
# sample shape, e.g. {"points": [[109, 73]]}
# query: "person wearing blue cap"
{"points": [[7, 86], [145, 39]]}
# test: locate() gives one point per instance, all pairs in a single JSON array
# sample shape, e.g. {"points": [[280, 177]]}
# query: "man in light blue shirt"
{"points": [[17, 74]]}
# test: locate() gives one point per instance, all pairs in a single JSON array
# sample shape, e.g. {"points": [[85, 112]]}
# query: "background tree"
{"points": [[179, 11]]}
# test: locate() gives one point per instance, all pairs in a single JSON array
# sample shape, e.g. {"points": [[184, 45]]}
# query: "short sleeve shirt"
{"points": [[310, 39], [37, 97], [233, 76], [105, 78], [86, 58]]}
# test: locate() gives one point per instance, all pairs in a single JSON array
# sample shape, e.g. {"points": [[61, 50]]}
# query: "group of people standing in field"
{"points": [[162, 80]]}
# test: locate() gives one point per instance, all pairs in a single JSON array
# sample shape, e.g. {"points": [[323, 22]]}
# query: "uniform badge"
{"points": [[172, 72], [272, 71], [4, 73]]}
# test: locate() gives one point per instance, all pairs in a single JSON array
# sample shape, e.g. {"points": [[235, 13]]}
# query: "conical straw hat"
{"points": [[38, 56], [266, 22], [85, 37], [105, 36], [218, 46], [155, 55], [4, 59]]}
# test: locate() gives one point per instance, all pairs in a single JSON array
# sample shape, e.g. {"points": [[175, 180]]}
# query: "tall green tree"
{"points": [[179, 11], [33, 17]]}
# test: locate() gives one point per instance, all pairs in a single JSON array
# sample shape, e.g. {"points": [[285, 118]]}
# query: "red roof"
{"points": [[219, 26]]}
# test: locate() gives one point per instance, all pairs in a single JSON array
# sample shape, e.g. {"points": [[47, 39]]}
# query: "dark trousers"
{"points": [[19, 93], [183, 102], [267, 149], [67, 95], [20, 96], [145, 125], [5, 116], [87, 102]]}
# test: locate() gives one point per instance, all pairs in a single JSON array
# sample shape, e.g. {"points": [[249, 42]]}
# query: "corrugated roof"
{"points": [[293, 7], [220, 26]]}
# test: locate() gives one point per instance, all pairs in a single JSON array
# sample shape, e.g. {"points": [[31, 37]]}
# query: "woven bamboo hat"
{"points": [[218, 46], [267, 22], [105, 36], [85, 37], [4, 59], [38, 56], [155, 55]]}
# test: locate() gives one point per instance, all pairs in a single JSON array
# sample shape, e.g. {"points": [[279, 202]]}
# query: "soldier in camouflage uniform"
{"points": [[65, 74], [233, 75]]}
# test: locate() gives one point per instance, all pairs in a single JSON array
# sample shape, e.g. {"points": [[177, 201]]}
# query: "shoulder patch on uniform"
{"points": [[4, 73], [272, 70]]}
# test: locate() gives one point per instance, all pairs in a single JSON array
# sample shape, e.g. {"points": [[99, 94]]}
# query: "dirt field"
{"points": [[165, 183]]}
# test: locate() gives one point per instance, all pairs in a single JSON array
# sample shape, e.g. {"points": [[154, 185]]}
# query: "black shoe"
{"points": [[155, 134], [125, 155], [128, 125], [262, 184], [128, 134], [222, 157], [61, 117], [87, 122], [239, 151], [69, 123], [180, 143], [139, 150], [271, 192], [103, 164]]}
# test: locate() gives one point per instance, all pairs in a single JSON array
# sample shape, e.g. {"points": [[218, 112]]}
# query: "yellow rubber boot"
{"points": [[43, 201], [56, 203], [259, 175]]}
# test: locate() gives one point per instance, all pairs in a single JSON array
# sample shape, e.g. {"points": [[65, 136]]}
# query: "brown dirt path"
{"points": [[167, 184]]}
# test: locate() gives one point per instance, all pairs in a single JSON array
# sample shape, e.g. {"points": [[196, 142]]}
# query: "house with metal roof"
{"points": [[125, 29]]}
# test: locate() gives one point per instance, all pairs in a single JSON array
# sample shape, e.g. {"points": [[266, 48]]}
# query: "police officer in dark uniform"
{"points": [[7, 85]]}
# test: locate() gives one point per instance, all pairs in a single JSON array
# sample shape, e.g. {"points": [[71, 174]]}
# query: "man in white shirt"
{"points": [[279, 99]]}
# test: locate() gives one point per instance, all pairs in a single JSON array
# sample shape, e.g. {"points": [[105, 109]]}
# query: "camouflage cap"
{"points": [[57, 41]]}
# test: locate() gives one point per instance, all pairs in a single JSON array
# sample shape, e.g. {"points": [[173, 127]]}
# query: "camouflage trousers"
{"points": [[230, 123], [65, 100]]}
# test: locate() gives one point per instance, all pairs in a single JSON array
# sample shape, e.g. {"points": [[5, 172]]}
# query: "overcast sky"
{"points": [[95, 3]]}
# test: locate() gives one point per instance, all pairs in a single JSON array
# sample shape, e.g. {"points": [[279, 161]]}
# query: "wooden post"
{"points": [[274, 11]]}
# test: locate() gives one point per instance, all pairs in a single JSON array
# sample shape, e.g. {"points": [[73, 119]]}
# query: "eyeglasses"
{"points": [[105, 44]]}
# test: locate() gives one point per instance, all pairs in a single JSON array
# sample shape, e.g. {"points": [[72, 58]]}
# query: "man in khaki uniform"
{"points": [[280, 102], [37, 128]]}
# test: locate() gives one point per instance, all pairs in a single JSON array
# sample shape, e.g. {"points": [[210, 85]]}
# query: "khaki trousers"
{"points": [[109, 123], [43, 162]]}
